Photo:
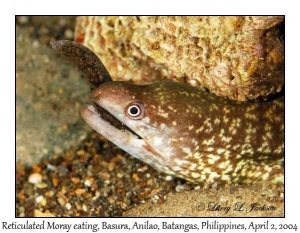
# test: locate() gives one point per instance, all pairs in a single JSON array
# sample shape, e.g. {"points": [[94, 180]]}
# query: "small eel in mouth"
{"points": [[184, 131]]}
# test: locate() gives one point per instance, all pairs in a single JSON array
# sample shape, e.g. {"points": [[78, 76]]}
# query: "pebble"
{"points": [[135, 176], [36, 169], [62, 22], [79, 191], [21, 196], [88, 183], [43, 202], [61, 201], [111, 200], [214, 185], [41, 185], [156, 197], [69, 34], [39, 199], [55, 182], [38, 213], [36, 44], [80, 152], [45, 151], [111, 166], [51, 167], [68, 206], [142, 169], [84, 208], [169, 178], [198, 187], [180, 188], [97, 195], [22, 214], [22, 209], [35, 178], [23, 19], [150, 182], [75, 180], [49, 193]]}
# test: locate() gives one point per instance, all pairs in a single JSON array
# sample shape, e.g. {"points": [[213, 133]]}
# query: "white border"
{"points": [[7, 115]]}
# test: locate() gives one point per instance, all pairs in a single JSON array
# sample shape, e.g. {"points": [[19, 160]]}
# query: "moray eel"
{"points": [[189, 133]]}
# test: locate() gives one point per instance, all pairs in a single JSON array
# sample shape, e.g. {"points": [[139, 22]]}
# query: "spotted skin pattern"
{"points": [[184, 131], [200, 137]]}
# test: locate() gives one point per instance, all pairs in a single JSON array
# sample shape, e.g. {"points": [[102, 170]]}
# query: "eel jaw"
{"points": [[93, 117], [127, 140]]}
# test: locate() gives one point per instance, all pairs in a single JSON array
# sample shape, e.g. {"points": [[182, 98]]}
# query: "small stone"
{"points": [[43, 202], [61, 91], [80, 152], [111, 200], [38, 213], [215, 185], [143, 169], [169, 178], [41, 185], [119, 175], [21, 209], [45, 151], [49, 193], [79, 191], [180, 188], [94, 186], [62, 22], [135, 176], [36, 44], [69, 34], [36, 169], [68, 206], [51, 167], [75, 180], [55, 182], [39, 199], [57, 150], [149, 182], [97, 195], [111, 166], [88, 183], [104, 175], [61, 201], [21, 196], [23, 19], [35, 178], [197, 187], [84, 208]]}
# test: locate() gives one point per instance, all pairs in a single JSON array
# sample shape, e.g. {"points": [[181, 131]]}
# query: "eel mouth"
{"points": [[97, 111]]}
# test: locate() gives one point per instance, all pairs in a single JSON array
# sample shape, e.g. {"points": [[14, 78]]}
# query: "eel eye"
{"points": [[135, 111]]}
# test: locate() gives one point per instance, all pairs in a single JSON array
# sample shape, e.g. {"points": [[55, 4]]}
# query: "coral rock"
{"points": [[240, 57]]}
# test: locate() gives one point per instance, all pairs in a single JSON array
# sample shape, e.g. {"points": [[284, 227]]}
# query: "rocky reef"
{"points": [[240, 57]]}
